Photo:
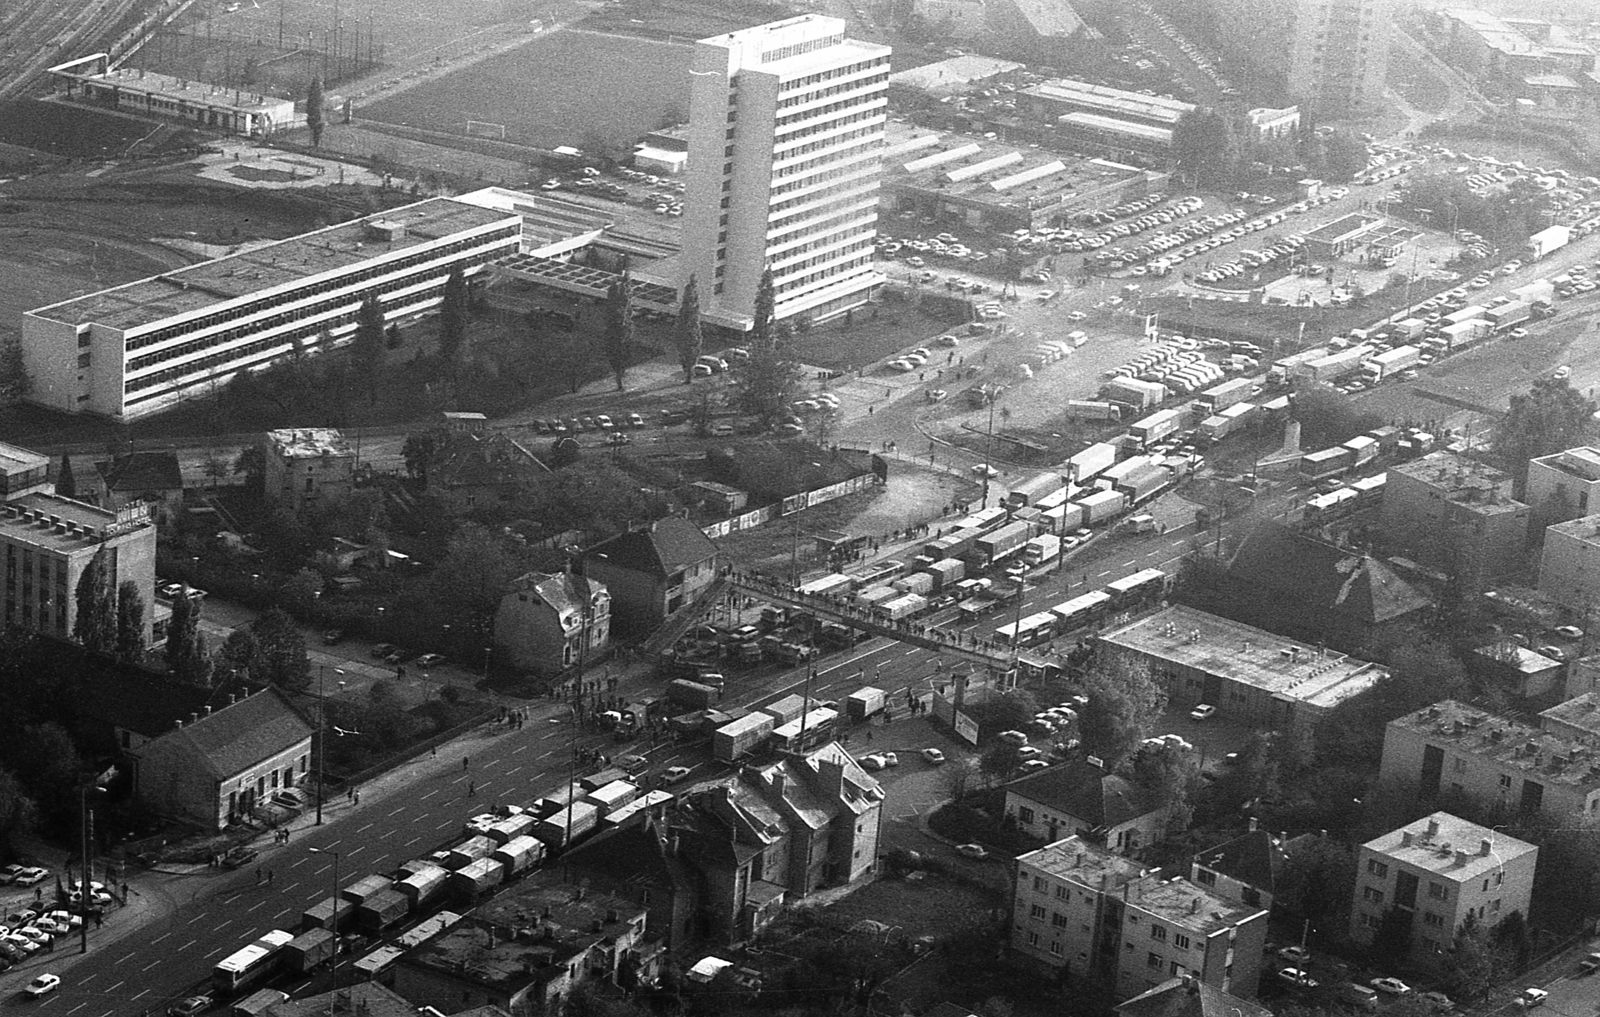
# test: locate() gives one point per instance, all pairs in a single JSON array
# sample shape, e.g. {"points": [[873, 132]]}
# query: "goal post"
{"points": [[486, 129]]}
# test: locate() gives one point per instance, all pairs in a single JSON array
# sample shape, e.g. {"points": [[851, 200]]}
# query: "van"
{"points": [[1358, 996]]}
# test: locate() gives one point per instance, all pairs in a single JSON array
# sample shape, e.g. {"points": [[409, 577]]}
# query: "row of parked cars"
{"points": [[577, 425], [389, 653]]}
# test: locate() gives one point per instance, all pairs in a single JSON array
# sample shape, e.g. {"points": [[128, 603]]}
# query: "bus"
{"points": [[1143, 585], [1080, 611], [807, 732], [1035, 628], [246, 967]]}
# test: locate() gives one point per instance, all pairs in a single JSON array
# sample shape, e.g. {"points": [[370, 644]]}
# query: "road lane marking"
{"points": [[187, 945], [254, 906], [224, 925], [80, 1006], [159, 938], [88, 977], [520, 748], [515, 770], [152, 964], [196, 918], [117, 986], [355, 851], [1179, 543], [402, 808], [364, 829], [141, 992], [301, 861], [430, 794], [410, 842]]}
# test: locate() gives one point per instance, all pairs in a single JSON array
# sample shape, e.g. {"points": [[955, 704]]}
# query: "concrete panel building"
{"points": [[22, 471], [1451, 753], [1080, 908], [785, 148], [308, 466], [139, 348], [1455, 514], [1330, 55], [1439, 872], [1569, 564], [548, 621], [46, 542], [1563, 485]]}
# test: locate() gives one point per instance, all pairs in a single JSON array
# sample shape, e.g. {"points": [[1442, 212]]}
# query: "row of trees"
{"points": [[1217, 150]]}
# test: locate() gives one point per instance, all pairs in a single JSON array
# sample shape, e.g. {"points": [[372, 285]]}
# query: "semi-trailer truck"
{"points": [[1508, 316], [1332, 367], [1002, 543], [1380, 366], [1041, 549], [1282, 370], [1215, 400], [734, 741], [1217, 427], [1551, 238], [309, 949], [864, 703], [1102, 506], [1156, 426], [692, 695]]}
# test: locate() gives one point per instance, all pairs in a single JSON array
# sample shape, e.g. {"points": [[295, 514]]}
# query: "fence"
{"points": [[793, 503]]}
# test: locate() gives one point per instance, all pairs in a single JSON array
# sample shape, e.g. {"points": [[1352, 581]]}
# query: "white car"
{"points": [[1392, 986], [1077, 316], [985, 470], [1205, 711], [1294, 954], [932, 756], [973, 851], [30, 876], [872, 762], [673, 774], [1532, 997], [43, 985]]}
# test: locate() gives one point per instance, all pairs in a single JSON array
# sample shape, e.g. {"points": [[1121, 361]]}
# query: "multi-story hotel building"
{"points": [[133, 350], [786, 126]]}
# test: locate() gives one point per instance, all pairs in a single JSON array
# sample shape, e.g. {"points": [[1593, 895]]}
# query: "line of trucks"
{"points": [[1383, 444], [791, 720]]}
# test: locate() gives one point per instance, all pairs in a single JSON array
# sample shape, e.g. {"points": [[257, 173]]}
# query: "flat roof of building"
{"points": [[1467, 482], [1114, 101], [1243, 653], [1510, 743], [1115, 125], [954, 74], [914, 162], [240, 276], [32, 519], [1582, 712], [1188, 906], [15, 459], [309, 442], [1080, 861], [1449, 846], [175, 89]]}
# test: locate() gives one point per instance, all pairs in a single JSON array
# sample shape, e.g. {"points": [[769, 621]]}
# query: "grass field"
{"points": [[546, 94], [75, 132]]}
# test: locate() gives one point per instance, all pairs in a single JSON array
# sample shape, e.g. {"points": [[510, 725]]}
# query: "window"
{"points": [[1024, 815], [1033, 939], [1437, 891], [1505, 781], [1062, 893], [1180, 941], [1377, 868], [1055, 948], [1372, 894], [1499, 877], [1154, 960], [1037, 911], [1040, 885], [1460, 764], [1429, 943], [1433, 920], [1058, 919], [1205, 877], [1158, 932], [1495, 907]]}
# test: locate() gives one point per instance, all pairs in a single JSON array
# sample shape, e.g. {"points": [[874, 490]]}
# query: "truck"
{"points": [[876, 595], [1551, 238], [1093, 409], [579, 818], [1041, 549], [907, 605], [467, 852], [1467, 313], [329, 913], [1215, 400], [1332, 367], [613, 796], [833, 585], [1464, 333], [1141, 395], [1282, 370], [920, 583], [1409, 328], [1090, 463], [1031, 490], [378, 913], [258, 1003], [1219, 426], [518, 856], [1330, 462], [481, 876], [788, 708], [309, 949], [1508, 316], [1540, 291], [1381, 366], [692, 695], [510, 828], [1102, 505], [1145, 483], [947, 572], [422, 883], [1156, 426], [366, 886], [864, 703], [1001, 544], [732, 742]]}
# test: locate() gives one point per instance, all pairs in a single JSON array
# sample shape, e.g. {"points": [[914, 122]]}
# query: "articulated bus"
{"points": [[807, 732], [1141, 586], [1080, 611], [1035, 628]]}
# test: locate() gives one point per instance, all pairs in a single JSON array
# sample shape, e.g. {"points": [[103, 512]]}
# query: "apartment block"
{"points": [[1439, 872], [1455, 514], [1080, 908], [1569, 564], [46, 542], [1339, 54], [786, 125], [1563, 485], [1454, 753], [139, 348]]}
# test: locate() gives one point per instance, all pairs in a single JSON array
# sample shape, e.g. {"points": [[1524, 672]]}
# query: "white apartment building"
{"points": [[1439, 871], [786, 124], [1572, 477], [1339, 53], [139, 348]]}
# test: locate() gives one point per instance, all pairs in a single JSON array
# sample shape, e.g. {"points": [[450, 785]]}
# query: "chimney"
{"points": [[1194, 906], [208, 709], [193, 717], [1485, 846], [232, 698], [778, 781], [1252, 824], [178, 723], [1433, 828], [1405, 838]]}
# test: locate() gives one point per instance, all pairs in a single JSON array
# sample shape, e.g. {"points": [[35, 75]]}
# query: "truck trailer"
{"points": [[1508, 316], [1102, 506], [1215, 400], [1282, 370], [1551, 238], [467, 852], [422, 883], [309, 949], [732, 742], [378, 913], [864, 703], [518, 856], [1041, 549], [480, 877], [1332, 367], [907, 605], [692, 695], [1382, 366], [559, 829], [1002, 543]]}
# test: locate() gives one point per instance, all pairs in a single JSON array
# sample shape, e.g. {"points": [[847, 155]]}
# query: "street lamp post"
{"points": [[322, 729], [334, 918], [85, 887]]}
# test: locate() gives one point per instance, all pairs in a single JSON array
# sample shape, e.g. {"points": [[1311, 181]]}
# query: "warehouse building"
{"points": [[230, 110], [136, 349]]}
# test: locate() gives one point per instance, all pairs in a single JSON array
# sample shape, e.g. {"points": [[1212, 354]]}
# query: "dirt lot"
{"points": [[934, 905], [649, 89]]}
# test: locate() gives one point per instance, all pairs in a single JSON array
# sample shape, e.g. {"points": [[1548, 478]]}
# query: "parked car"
{"points": [[872, 762], [9, 874], [332, 636], [973, 851], [1294, 954], [1532, 997], [43, 985], [1590, 964], [932, 756], [1205, 711], [673, 774], [383, 650], [189, 1007], [1392, 986], [1297, 978], [31, 875]]}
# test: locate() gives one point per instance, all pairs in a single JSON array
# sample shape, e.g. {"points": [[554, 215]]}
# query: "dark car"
{"points": [[382, 650], [332, 636]]}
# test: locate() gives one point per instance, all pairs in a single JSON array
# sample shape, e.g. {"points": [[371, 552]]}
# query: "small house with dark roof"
{"points": [[124, 707], [1316, 591], [1189, 996], [214, 767], [1244, 869], [640, 862], [546, 621], [1084, 800], [737, 845], [653, 572], [482, 469], [153, 478]]}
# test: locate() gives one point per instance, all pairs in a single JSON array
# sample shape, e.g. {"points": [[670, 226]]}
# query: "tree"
{"points": [[96, 623], [186, 654], [687, 336], [301, 591], [956, 777], [1166, 777], [281, 659], [18, 811], [1328, 417], [314, 112], [240, 654], [475, 572], [418, 452], [1344, 155], [66, 483], [369, 346], [454, 312], [130, 622], [1125, 704], [1391, 941], [566, 354], [1551, 416], [1476, 965], [47, 762], [252, 465], [619, 326], [1316, 880], [769, 377], [1205, 146], [1000, 759], [15, 383]]}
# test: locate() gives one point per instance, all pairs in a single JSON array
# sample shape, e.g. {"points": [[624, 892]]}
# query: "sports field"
{"points": [[592, 91]]}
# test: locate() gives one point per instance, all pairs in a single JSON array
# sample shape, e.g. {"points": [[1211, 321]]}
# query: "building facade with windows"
{"points": [[1330, 55], [1438, 873], [1455, 514], [1569, 563], [1563, 485], [46, 542], [1084, 800], [548, 621], [305, 466], [786, 124], [1089, 912], [654, 572], [139, 348], [22, 471], [1451, 752]]}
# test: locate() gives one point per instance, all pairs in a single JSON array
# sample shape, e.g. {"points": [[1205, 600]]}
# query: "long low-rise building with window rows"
{"points": [[136, 349]]}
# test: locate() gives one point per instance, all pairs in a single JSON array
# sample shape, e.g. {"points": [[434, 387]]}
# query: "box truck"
{"points": [[920, 583], [1145, 483], [1465, 314], [1332, 367], [864, 703], [558, 829], [732, 742], [1215, 428], [1330, 462], [1141, 395], [1102, 505], [788, 708], [1549, 239], [309, 949], [1041, 549], [1215, 400], [365, 887], [518, 856], [1156, 426], [510, 828], [613, 796], [1093, 409], [1509, 316], [330, 913], [1001, 544], [1364, 449], [1381, 366], [905, 606], [378, 913], [481, 876], [423, 883], [947, 572], [692, 695], [1282, 370], [468, 851]]}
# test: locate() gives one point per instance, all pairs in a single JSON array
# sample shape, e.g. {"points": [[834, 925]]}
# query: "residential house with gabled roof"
{"points": [[640, 862], [546, 621], [653, 572], [483, 469], [738, 845], [125, 707], [836, 798], [1315, 591], [215, 767], [153, 478], [1244, 869], [1189, 997], [1082, 799]]}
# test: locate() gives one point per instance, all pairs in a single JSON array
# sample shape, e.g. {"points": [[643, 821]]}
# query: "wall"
{"points": [[1483, 781], [174, 781]]}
